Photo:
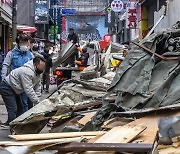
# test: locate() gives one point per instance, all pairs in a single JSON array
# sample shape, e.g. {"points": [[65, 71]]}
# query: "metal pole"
{"points": [[14, 21], [54, 22], [60, 29]]}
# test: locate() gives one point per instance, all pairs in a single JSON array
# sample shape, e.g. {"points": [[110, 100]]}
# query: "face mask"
{"points": [[38, 71], [24, 48]]}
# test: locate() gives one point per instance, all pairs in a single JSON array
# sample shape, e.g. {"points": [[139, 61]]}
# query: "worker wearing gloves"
{"points": [[25, 79], [83, 60]]}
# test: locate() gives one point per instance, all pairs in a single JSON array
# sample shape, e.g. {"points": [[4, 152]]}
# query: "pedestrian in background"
{"points": [[46, 74], [16, 58], [73, 37], [1, 62]]}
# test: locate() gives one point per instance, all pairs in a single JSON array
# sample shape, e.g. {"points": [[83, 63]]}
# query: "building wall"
{"points": [[5, 25], [173, 15], [25, 12], [86, 5]]}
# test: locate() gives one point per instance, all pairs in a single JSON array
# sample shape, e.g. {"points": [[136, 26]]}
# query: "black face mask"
{"points": [[38, 71]]}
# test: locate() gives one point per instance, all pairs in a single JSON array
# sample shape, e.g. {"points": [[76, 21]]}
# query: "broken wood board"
{"points": [[30, 147], [92, 140], [117, 121], [86, 118], [176, 139], [43, 142], [149, 135], [28, 137], [99, 152], [121, 134], [169, 149]]}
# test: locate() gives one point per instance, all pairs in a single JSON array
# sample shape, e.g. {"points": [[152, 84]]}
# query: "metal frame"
{"points": [[118, 147]]}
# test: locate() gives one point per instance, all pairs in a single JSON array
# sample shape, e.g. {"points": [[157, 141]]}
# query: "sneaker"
{"points": [[5, 126], [47, 91]]}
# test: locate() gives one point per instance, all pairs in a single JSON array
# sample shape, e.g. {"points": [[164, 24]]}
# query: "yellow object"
{"points": [[143, 24], [115, 62]]}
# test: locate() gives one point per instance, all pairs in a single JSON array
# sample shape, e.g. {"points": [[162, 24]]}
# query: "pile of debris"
{"points": [[121, 111]]}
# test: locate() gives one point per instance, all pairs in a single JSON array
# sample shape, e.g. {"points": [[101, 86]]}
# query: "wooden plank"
{"points": [[28, 137], [117, 121], [92, 140], [169, 150], [40, 142], [149, 135], [33, 146], [121, 134], [86, 118]]}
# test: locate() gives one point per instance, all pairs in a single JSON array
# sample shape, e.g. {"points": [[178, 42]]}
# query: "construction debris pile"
{"points": [[122, 111]]}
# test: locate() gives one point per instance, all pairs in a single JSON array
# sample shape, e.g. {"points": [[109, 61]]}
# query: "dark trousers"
{"points": [[12, 102], [46, 80]]}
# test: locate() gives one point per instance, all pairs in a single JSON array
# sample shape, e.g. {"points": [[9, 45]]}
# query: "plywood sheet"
{"points": [[121, 134]]}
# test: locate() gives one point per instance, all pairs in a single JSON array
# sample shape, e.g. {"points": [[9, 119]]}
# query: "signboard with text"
{"points": [[131, 18], [117, 6], [41, 11]]}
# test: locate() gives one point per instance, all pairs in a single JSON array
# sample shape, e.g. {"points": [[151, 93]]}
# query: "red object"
{"points": [[132, 18], [26, 29], [107, 38], [58, 73], [103, 44]]}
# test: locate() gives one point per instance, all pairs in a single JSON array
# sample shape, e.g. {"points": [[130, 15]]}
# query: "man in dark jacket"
{"points": [[73, 37], [46, 75]]}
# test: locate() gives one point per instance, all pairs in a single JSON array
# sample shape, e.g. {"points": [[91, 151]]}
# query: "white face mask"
{"points": [[24, 48]]}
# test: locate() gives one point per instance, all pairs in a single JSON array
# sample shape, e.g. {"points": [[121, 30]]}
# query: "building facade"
{"points": [[5, 25]]}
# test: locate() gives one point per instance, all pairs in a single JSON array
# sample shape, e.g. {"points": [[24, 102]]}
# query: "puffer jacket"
{"points": [[25, 79]]}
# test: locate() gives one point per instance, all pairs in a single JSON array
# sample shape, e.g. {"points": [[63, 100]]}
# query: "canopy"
{"points": [[26, 29]]}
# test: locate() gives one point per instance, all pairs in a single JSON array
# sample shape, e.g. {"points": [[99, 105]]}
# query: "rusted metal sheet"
{"points": [[153, 53]]}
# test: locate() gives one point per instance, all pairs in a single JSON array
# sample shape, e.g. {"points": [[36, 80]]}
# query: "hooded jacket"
{"points": [[25, 79]]}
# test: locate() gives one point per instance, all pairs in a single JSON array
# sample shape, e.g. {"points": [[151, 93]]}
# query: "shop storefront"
{"points": [[5, 25]]}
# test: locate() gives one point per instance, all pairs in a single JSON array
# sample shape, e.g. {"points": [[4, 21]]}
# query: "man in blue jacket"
{"points": [[16, 58]]}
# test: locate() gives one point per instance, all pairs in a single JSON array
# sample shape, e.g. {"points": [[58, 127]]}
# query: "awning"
{"points": [[26, 29], [6, 17]]}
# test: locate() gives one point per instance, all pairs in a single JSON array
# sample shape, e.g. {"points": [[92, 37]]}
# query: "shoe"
{"points": [[47, 91], [5, 126]]}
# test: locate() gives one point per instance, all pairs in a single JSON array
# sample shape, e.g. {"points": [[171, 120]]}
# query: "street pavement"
{"points": [[3, 116]]}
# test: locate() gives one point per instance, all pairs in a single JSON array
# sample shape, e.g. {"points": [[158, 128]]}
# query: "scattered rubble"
{"points": [[116, 112]]}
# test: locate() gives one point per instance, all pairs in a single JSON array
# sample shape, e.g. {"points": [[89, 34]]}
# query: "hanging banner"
{"points": [[131, 17], [109, 18], [41, 12]]}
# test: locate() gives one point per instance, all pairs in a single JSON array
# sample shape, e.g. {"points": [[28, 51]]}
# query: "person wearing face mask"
{"points": [[25, 79], [15, 58]]}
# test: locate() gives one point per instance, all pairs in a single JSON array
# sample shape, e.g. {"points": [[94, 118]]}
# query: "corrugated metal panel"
{"points": [[173, 15]]}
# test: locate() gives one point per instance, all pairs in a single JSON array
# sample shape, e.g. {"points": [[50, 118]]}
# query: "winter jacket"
{"points": [[25, 79], [48, 62], [74, 38], [84, 59], [14, 59]]}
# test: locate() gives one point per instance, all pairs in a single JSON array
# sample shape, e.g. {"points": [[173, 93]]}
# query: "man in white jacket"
{"points": [[23, 79]]}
